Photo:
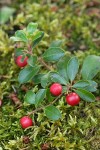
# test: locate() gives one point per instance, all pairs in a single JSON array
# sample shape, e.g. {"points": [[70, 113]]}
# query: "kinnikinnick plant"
{"points": [[54, 73]]}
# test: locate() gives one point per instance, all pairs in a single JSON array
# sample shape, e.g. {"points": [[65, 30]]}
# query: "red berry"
{"points": [[56, 89], [20, 62], [26, 122], [72, 99]]}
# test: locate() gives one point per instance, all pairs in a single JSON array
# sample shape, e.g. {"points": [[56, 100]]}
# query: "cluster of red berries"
{"points": [[55, 89], [72, 98]]}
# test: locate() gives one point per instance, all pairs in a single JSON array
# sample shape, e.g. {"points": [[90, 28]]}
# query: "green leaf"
{"points": [[16, 39], [32, 60], [37, 38], [56, 43], [32, 27], [81, 84], [49, 96], [92, 87], [55, 77], [21, 35], [52, 113], [5, 14], [19, 51], [40, 95], [62, 66], [53, 54], [37, 78], [45, 80], [30, 97], [72, 68], [91, 66], [85, 95], [27, 73]]}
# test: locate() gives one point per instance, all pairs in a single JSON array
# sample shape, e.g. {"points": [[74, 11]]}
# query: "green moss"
{"points": [[78, 128]]}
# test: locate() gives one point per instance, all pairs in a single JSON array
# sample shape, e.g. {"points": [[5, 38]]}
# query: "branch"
{"points": [[41, 108], [44, 64], [39, 59]]}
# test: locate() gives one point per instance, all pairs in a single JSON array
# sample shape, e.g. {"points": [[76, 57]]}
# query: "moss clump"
{"points": [[78, 128]]}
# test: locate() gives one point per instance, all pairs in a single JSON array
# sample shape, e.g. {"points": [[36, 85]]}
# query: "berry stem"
{"points": [[40, 59], [41, 108]]}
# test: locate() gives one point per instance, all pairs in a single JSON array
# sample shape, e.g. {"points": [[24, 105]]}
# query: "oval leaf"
{"points": [[56, 43], [37, 78], [45, 80], [32, 60], [21, 35], [53, 54], [72, 68], [92, 87], [81, 84], [91, 66], [52, 112], [55, 77], [62, 66], [31, 27], [19, 51], [37, 38], [85, 95], [49, 96], [27, 73], [30, 97], [40, 95]]}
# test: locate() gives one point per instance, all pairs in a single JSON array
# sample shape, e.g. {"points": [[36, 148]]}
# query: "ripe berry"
{"points": [[72, 99], [20, 62], [56, 89], [26, 122]]}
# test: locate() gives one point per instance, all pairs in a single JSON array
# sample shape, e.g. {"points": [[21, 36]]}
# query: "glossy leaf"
{"points": [[32, 60], [85, 95], [27, 73], [62, 66], [56, 43], [52, 113], [19, 51], [30, 97], [40, 95], [55, 77], [21, 35], [37, 38], [49, 96], [91, 66], [37, 78], [53, 54], [72, 68], [92, 87], [31, 27], [45, 80], [81, 84]]}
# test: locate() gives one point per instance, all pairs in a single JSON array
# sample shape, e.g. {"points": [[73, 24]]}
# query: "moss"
{"points": [[78, 128]]}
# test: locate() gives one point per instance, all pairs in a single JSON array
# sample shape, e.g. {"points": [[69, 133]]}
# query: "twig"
{"points": [[39, 59], [41, 108], [15, 100], [4, 77], [44, 64]]}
